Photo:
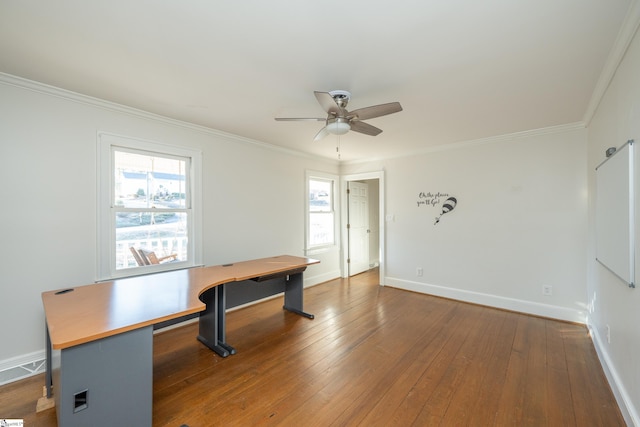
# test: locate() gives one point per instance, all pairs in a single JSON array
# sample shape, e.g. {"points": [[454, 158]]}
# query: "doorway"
{"points": [[358, 228], [363, 219]]}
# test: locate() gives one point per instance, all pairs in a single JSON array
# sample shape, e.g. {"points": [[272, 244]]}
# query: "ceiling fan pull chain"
{"points": [[338, 147]]}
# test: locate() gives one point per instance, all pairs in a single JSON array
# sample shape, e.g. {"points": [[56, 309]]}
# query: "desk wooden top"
{"points": [[87, 313]]}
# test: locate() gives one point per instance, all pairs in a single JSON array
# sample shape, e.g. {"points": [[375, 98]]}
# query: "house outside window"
{"points": [[147, 218]]}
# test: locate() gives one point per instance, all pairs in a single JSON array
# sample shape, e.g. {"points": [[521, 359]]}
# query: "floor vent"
{"points": [[22, 371]]}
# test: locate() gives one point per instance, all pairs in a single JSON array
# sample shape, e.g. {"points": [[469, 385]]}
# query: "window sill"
{"points": [[320, 250]]}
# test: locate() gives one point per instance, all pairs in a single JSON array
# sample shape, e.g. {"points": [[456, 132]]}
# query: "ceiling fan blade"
{"points": [[300, 119], [365, 128], [327, 103], [376, 111], [323, 132]]}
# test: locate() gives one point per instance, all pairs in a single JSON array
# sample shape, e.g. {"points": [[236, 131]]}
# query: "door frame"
{"points": [[379, 175]]}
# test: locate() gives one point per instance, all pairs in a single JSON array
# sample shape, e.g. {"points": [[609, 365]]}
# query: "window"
{"points": [[321, 224], [147, 217]]}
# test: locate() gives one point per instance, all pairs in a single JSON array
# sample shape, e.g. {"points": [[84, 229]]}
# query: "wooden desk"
{"points": [[99, 336]]}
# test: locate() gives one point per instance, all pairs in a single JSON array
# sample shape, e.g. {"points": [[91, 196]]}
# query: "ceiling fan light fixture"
{"points": [[338, 127], [339, 121]]}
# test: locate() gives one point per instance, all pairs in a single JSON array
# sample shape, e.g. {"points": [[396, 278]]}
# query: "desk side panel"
{"points": [[116, 375], [239, 293]]}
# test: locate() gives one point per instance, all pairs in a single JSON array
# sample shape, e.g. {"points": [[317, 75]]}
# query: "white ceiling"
{"points": [[462, 69]]}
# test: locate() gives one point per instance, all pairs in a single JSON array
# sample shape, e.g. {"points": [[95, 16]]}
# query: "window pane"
{"points": [[320, 228], [320, 197], [161, 232], [145, 181]]}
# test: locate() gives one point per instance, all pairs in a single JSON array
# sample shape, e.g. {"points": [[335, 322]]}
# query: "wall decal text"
{"points": [[429, 199]]}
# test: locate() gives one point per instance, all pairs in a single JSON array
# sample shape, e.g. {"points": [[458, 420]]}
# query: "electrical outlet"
{"points": [[419, 271], [547, 290], [608, 335]]}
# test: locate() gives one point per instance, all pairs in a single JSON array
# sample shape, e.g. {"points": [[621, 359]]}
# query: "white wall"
{"points": [[612, 302], [254, 198], [520, 222]]}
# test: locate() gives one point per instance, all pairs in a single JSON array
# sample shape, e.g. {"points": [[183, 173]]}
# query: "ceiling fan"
{"points": [[340, 121]]}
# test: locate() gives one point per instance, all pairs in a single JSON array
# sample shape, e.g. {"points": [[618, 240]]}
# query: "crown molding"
{"points": [[22, 83], [569, 127], [616, 55], [43, 88]]}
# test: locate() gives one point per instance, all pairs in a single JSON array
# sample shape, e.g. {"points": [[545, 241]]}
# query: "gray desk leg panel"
{"points": [[48, 376], [108, 382], [293, 298], [212, 327]]}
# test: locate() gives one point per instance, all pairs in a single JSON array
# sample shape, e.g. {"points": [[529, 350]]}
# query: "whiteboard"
{"points": [[615, 214]]}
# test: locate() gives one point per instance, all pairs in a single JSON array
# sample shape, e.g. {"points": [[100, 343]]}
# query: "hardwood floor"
{"points": [[373, 356]]}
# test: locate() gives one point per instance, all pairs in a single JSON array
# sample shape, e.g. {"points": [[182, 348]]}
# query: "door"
{"points": [[358, 227]]}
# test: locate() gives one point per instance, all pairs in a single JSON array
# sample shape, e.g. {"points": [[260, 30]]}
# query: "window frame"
{"points": [[106, 239], [335, 200]]}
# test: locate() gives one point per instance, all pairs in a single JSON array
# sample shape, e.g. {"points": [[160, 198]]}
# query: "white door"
{"points": [[358, 227]]}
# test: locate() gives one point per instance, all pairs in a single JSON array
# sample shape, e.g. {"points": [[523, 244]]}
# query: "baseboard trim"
{"points": [[320, 278], [512, 304], [625, 403]]}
